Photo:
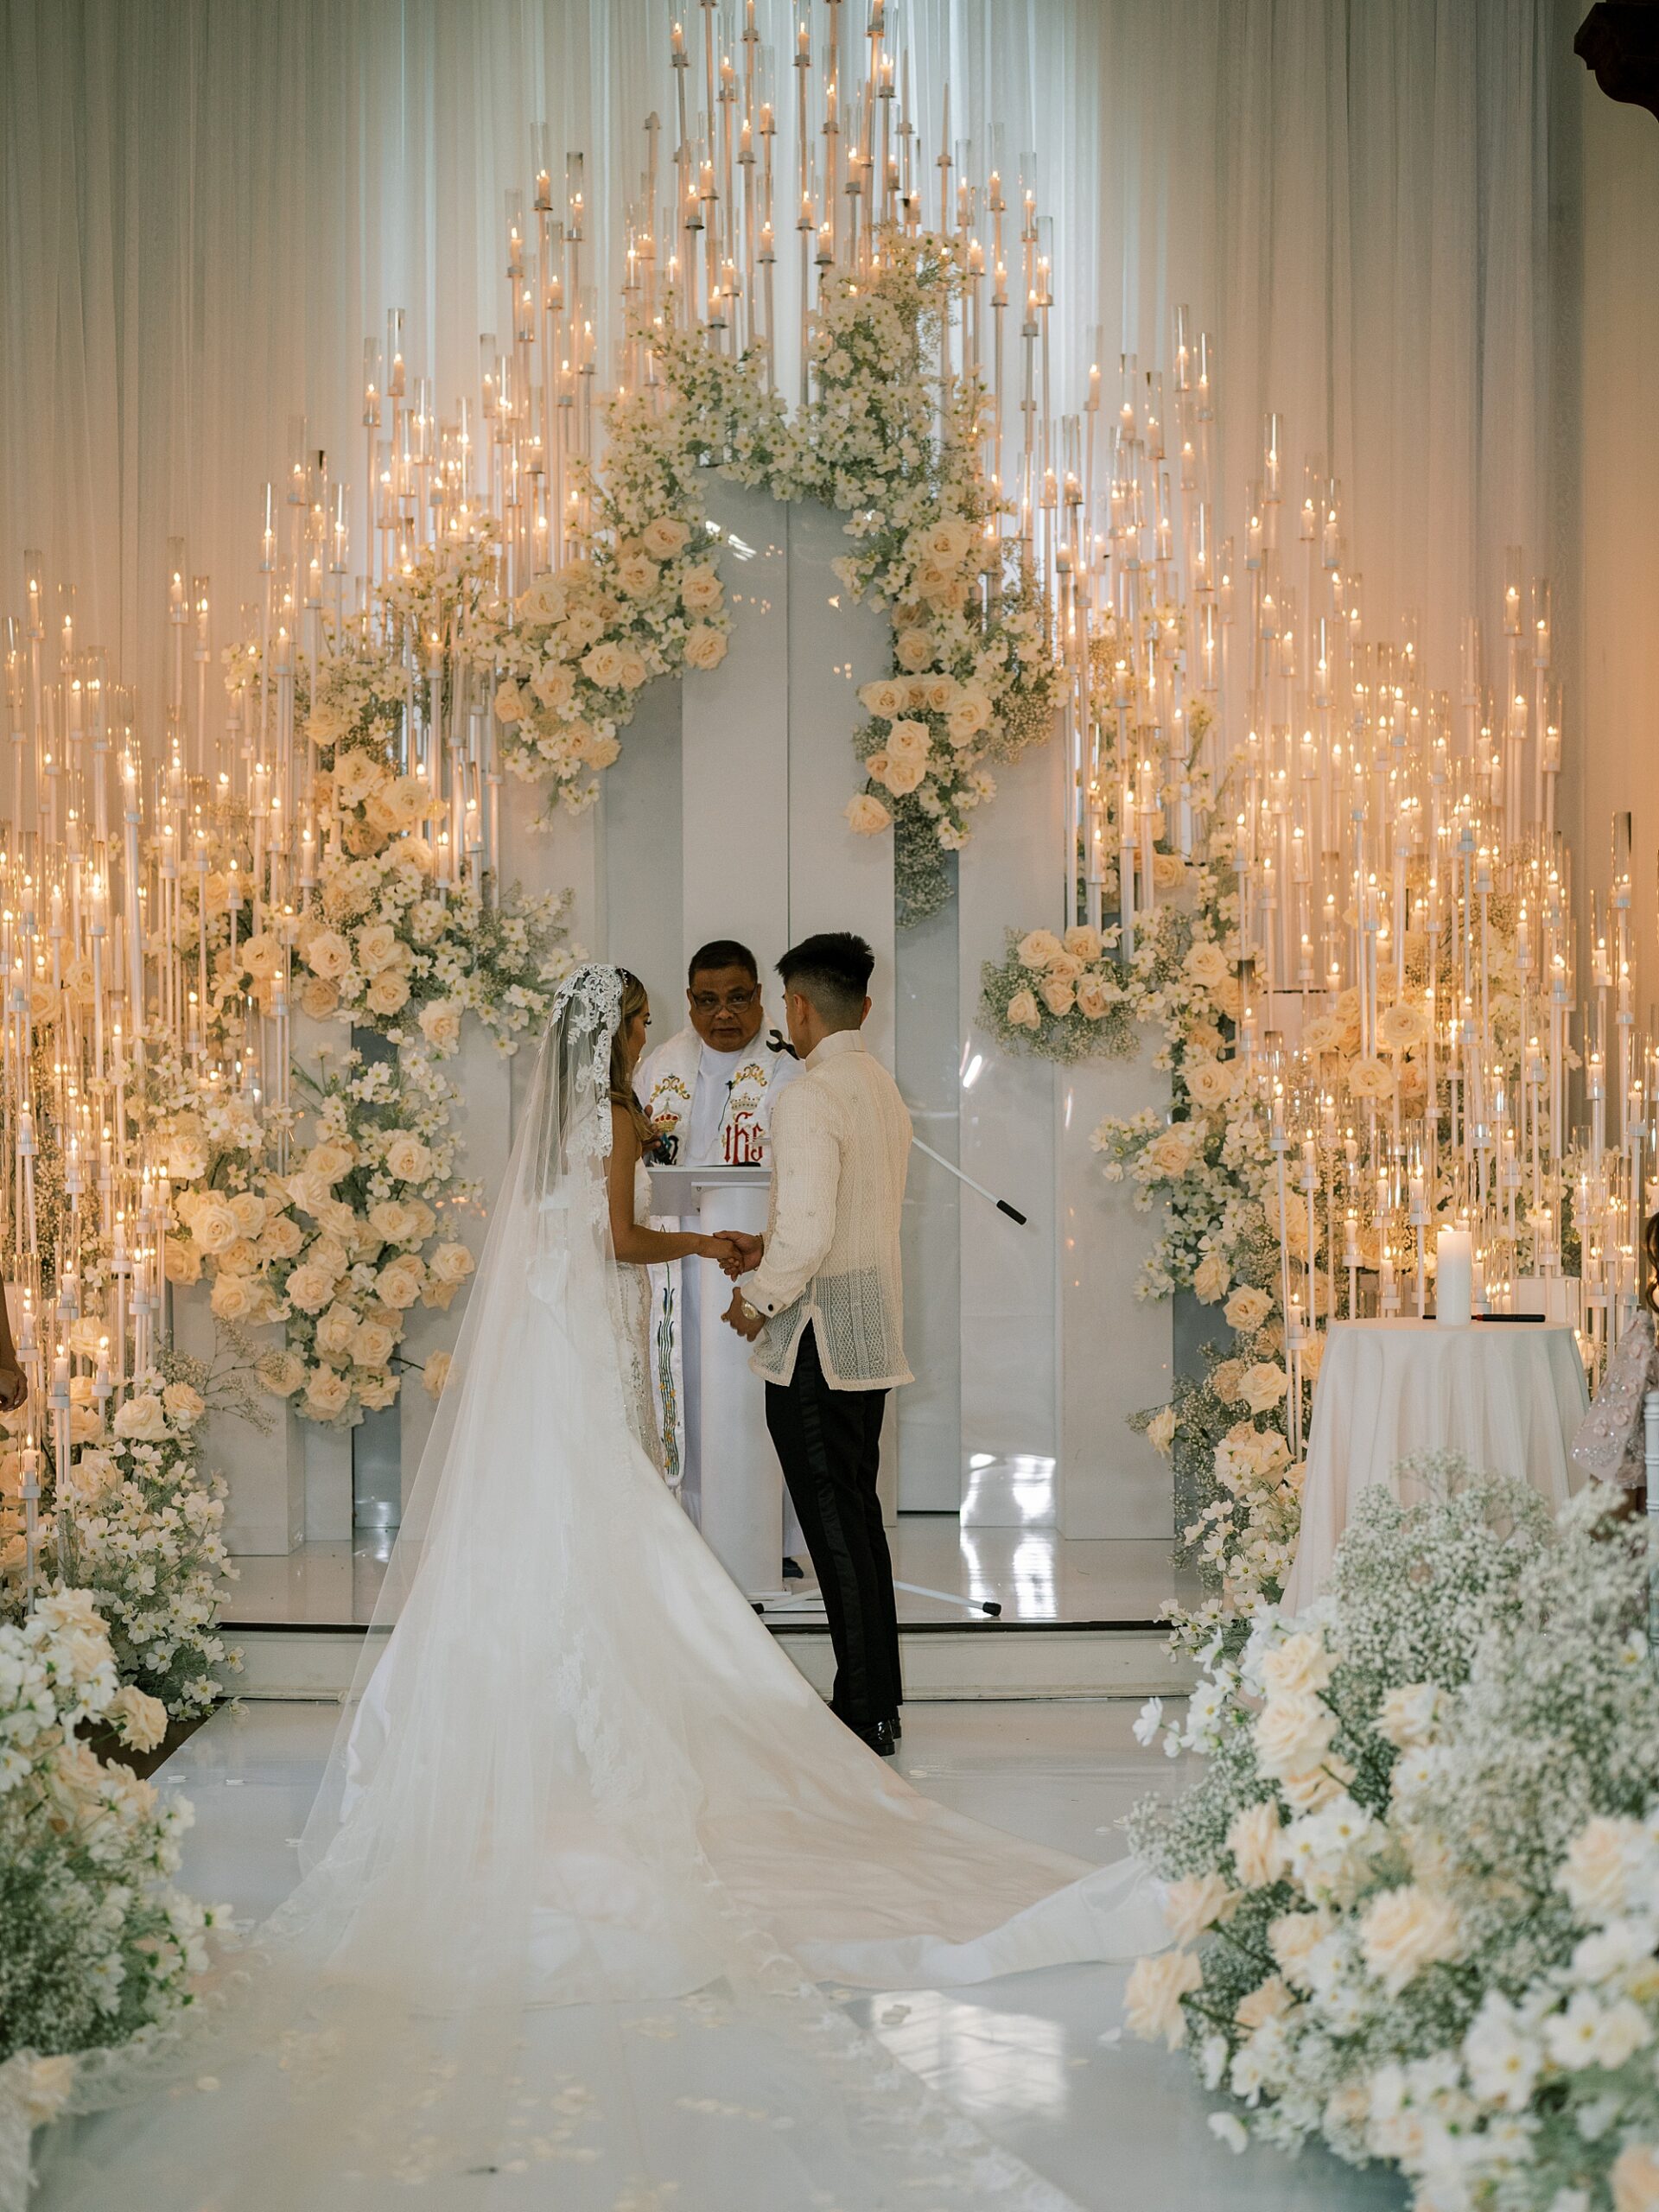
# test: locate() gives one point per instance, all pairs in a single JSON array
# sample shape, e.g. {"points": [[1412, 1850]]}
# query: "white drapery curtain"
{"points": [[206, 205]]}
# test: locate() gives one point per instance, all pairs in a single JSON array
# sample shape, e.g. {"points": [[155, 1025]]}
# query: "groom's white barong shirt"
{"points": [[840, 1150]]}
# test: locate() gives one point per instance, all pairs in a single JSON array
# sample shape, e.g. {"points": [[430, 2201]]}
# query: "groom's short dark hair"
{"points": [[721, 952], [832, 970]]}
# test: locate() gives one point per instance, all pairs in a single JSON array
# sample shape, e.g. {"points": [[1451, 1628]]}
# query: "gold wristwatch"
{"points": [[752, 1313]]}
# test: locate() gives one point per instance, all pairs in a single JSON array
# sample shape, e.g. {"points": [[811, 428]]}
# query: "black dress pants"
{"points": [[829, 1443]]}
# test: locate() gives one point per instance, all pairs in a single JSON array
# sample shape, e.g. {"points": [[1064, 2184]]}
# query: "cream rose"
{"points": [[1293, 1733], [327, 1394], [1152, 2000], [329, 1161], [1256, 1837], [1269, 2000], [1594, 1876], [1211, 1082], [1247, 1309], [282, 1238], [638, 574], [319, 999], [185, 1404], [142, 1419], [509, 702], [408, 1158], [1297, 1668], [336, 1330], [1410, 1713], [701, 589], [440, 1025], [1371, 1078], [1084, 943], [398, 1223], [1058, 996], [1405, 1930], [183, 1261], [1172, 1150], [373, 1343], [705, 647], [903, 773], [603, 665], [1634, 2178], [1168, 871], [663, 538], [867, 817], [451, 1263], [909, 740], [399, 1284], [1160, 1429], [1294, 1937], [884, 697], [377, 947], [280, 1372], [1211, 1278], [1196, 1903], [1095, 998], [914, 650], [1024, 1012], [310, 1286], [1322, 1034], [327, 955], [141, 1719], [435, 1373], [388, 993], [554, 685], [213, 1224], [1205, 964], [1038, 949], [236, 1298], [1262, 1385]]}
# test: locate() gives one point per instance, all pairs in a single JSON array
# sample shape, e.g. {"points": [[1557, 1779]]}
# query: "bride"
{"points": [[588, 1843]]}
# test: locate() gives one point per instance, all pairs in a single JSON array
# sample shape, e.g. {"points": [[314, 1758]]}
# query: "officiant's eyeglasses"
{"points": [[725, 1001]]}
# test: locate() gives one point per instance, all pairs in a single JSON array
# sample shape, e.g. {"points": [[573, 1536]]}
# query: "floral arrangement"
{"points": [[96, 1943], [974, 675], [1414, 1897], [147, 1538], [341, 1245], [1061, 998]]}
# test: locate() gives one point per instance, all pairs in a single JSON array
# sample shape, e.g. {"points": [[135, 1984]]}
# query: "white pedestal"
{"points": [[742, 1484]]}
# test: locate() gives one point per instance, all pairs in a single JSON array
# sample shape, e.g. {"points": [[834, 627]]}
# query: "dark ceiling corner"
{"points": [[1618, 42]]}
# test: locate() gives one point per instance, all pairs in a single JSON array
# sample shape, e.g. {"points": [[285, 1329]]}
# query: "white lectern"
{"points": [[742, 1514]]}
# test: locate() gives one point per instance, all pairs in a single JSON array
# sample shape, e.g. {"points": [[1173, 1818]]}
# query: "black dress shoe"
{"points": [[897, 1728], [878, 1737], [793, 1571]]}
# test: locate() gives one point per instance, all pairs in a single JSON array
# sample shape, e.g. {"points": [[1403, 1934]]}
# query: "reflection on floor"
{"points": [[1036, 2058], [1035, 1574]]}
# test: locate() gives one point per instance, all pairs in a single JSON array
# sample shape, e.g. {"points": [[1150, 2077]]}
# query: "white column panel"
{"points": [[928, 1065], [734, 761], [836, 880], [1010, 875], [639, 840], [1115, 1351]]}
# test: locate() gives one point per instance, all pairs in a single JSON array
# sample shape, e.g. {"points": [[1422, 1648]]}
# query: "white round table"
{"points": [[1508, 1395]]}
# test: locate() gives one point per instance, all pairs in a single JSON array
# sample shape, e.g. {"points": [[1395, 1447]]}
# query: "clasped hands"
{"points": [[737, 1254]]}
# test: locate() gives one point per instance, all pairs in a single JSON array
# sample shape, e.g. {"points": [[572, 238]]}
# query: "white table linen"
{"points": [[1507, 1395]]}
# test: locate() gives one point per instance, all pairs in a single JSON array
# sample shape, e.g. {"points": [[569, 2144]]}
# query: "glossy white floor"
{"points": [[1035, 2058]]}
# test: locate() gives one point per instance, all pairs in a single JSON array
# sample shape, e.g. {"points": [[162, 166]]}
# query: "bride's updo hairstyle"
{"points": [[621, 1084]]}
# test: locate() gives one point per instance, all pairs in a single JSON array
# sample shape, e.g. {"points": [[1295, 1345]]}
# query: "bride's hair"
{"points": [[622, 1092]]}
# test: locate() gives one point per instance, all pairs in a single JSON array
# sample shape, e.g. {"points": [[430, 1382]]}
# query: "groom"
{"points": [[823, 1308]]}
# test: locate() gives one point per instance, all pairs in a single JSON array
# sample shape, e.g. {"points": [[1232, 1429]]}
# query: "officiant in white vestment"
{"points": [[709, 1090]]}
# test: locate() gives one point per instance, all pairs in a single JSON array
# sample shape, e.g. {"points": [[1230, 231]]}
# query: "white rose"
{"points": [[913, 648], [867, 817], [1152, 2000], [377, 947], [1263, 1385], [1294, 1936], [603, 665], [509, 702], [328, 1161], [663, 538], [1095, 998], [327, 955], [141, 1719], [1084, 943], [705, 647], [1405, 1930], [637, 574], [1594, 1876], [388, 993], [185, 1404], [1205, 964], [902, 773], [440, 1025], [1211, 1082], [884, 697], [1024, 1012], [1410, 1713]]}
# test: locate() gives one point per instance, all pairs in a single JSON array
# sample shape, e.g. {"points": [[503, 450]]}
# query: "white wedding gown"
{"points": [[588, 1842]]}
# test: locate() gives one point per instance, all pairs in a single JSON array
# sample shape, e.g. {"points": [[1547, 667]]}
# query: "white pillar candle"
{"points": [[1454, 1278]]}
